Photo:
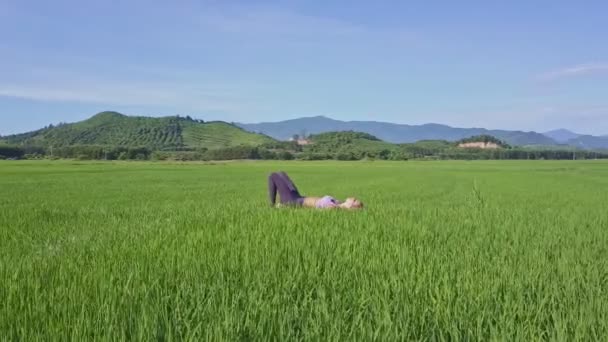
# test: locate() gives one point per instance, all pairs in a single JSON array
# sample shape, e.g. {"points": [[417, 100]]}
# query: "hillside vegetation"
{"points": [[115, 129], [485, 139], [111, 136], [348, 144]]}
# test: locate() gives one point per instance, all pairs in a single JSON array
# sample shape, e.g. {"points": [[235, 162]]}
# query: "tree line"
{"points": [[429, 150]]}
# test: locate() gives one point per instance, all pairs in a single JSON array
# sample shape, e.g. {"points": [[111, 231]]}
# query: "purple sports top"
{"points": [[327, 202]]}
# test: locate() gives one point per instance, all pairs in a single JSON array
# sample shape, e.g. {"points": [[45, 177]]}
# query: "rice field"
{"points": [[493, 250]]}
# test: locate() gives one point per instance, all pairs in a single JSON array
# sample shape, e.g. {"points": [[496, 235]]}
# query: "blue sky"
{"points": [[529, 65]]}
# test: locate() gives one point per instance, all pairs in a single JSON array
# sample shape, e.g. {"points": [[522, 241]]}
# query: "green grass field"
{"points": [[514, 251]]}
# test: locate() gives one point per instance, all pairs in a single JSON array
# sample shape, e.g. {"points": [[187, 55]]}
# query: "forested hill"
{"points": [[115, 129]]}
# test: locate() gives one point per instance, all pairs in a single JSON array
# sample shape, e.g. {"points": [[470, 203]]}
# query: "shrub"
{"points": [[285, 155]]}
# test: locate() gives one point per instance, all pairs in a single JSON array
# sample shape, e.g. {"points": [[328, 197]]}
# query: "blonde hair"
{"points": [[354, 203]]}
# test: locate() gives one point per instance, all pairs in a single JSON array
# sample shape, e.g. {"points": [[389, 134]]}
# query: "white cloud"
{"points": [[126, 86], [120, 93], [575, 71]]}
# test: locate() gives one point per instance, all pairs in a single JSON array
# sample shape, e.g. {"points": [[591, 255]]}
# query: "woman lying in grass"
{"points": [[289, 195]]}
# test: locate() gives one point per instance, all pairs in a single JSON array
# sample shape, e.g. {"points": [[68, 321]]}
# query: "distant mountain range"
{"points": [[562, 135], [111, 128], [400, 133], [589, 142]]}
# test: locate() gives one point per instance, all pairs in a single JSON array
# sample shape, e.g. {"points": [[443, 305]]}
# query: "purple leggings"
{"points": [[289, 194]]}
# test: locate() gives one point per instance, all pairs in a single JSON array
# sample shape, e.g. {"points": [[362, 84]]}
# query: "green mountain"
{"points": [[111, 128], [347, 145], [347, 141]]}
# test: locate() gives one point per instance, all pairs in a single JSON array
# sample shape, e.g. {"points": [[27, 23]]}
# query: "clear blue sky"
{"points": [[530, 65]]}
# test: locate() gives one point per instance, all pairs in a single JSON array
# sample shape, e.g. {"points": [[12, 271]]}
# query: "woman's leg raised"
{"points": [[287, 190]]}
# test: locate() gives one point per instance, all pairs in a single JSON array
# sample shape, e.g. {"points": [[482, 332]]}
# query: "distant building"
{"points": [[301, 141], [304, 142], [479, 144], [484, 141]]}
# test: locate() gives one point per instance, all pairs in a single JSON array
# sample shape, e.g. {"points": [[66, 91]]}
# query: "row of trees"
{"points": [[455, 154], [85, 152], [95, 152], [287, 152], [519, 154], [19, 152]]}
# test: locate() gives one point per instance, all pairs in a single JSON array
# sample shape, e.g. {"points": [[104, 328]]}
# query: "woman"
{"points": [[289, 194]]}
